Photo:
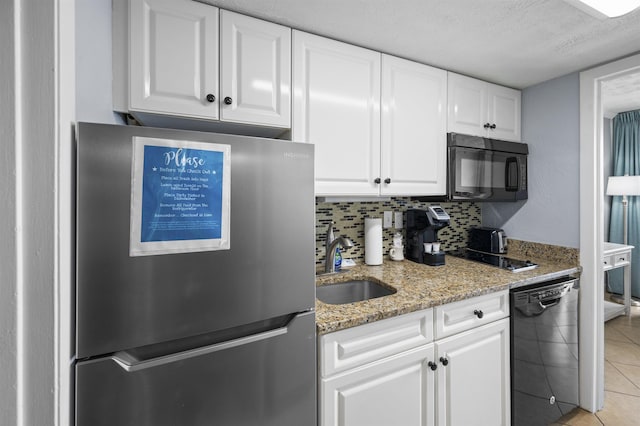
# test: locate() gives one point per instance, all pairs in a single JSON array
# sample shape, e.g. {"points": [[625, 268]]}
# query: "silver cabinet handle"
{"points": [[130, 364]]}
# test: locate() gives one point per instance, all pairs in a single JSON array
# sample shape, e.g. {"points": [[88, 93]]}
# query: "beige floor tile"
{"points": [[624, 353], [613, 333], [616, 380], [622, 377], [632, 373], [621, 320], [619, 410], [579, 417], [630, 332], [627, 321]]}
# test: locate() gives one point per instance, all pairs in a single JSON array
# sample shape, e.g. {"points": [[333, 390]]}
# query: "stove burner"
{"points": [[503, 262]]}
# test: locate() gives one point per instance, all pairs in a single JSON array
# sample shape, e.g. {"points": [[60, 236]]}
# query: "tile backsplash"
{"points": [[349, 221]]}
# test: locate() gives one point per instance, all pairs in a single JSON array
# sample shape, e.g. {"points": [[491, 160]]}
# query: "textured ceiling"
{"points": [[516, 43], [621, 94]]}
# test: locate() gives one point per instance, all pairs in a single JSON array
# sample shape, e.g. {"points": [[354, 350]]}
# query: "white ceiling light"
{"points": [[606, 8]]}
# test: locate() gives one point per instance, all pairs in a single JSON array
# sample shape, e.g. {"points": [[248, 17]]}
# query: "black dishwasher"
{"points": [[544, 351]]}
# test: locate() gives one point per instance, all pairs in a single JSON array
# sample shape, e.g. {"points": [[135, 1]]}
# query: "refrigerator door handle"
{"points": [[130, 364]]}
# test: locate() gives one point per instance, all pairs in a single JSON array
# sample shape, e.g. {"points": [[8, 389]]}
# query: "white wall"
{"points": [[37, 90], [93, 62], [8, 224], [551, 127]]}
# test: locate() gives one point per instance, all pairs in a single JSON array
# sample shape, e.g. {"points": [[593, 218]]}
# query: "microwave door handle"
{"points": [[510, 185]]}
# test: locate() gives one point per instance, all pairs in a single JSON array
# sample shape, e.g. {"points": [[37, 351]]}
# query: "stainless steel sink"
{"points": [[351, 291]]}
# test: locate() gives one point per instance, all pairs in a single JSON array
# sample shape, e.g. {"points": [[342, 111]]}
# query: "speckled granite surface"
{"points": [[526, 249], [421, 286]]}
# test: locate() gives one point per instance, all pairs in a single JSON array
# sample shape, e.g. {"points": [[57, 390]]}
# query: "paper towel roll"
{"points": [[373, 241]]}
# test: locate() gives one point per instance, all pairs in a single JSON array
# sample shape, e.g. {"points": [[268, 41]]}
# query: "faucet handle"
{"points": [[329, 236]]}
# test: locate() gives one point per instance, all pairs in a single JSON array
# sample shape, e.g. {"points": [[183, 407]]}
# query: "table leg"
{"points": [[627, 290]]}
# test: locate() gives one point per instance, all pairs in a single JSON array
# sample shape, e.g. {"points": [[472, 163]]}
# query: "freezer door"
{"points": [[124, 302], [266, 379]]}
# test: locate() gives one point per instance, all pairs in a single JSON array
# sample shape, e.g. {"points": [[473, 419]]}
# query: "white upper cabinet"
{"points": [[175, 49], [414, 126], [338, 90], [173, 58], [483, 109], [504, 112], [337, 108], [256, 71]]}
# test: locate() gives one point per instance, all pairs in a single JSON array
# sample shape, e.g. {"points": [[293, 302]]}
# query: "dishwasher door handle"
{"points": [[554, 302]]}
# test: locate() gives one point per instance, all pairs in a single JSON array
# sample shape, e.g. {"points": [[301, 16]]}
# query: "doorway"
{"points": [[592, 189]]}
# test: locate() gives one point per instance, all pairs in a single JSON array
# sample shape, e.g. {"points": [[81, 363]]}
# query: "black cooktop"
{"points": [[513, 265]]}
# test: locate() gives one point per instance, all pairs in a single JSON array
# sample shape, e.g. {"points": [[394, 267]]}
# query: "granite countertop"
{"points": [[420, 287]]}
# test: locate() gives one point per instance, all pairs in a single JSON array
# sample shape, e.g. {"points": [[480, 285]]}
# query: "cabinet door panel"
{"points": [[414, 125], [337, 108], [467, 109], [504, 111], [256, 71], [173, 57], [396, 391], [474, 387]]}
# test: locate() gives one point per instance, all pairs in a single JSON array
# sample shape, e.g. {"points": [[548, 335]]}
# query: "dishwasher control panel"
{"points": [[551, 291]]}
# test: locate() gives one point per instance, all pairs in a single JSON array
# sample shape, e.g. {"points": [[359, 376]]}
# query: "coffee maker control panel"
{"points": [[439, 213]]}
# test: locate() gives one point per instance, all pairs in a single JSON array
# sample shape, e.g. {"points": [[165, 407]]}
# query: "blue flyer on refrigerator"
{"points": [[179, 196]]}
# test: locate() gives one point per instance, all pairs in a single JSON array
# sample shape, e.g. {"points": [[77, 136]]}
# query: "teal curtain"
{"points": [[626, 160]]}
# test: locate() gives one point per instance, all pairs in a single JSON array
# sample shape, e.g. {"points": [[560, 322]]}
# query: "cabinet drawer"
{"points": [[621, 259], [459, 316], [357, 346], [607, 262]]}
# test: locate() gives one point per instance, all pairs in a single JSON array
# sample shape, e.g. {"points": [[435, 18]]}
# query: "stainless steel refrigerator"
{"points": [[171, 331]]}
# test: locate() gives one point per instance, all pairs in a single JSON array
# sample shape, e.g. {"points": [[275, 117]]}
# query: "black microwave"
{"points": [[483, 169]]}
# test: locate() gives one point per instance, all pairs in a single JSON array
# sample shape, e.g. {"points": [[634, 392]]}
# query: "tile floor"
{"points": [[622, 377]]}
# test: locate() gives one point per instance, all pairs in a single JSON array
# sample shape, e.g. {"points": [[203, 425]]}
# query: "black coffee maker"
{"points": [[421, 227]]}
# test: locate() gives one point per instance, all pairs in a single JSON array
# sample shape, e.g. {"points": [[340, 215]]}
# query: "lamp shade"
{"points": [[623, 185]]}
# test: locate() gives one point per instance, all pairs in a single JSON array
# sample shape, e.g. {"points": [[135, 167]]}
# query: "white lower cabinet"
{"points": [[393, 372], [473, 388], [397, 390]]}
